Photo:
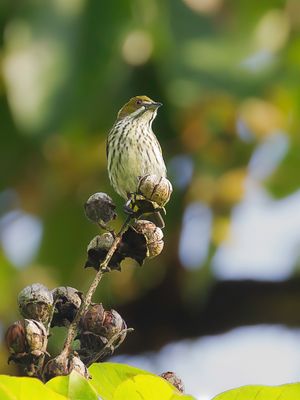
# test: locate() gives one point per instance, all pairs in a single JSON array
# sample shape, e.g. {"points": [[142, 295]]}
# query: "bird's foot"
{"points": [[128, 207]]}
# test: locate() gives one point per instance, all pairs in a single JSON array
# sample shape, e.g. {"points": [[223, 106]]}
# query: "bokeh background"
{"points": [[221, 304]]}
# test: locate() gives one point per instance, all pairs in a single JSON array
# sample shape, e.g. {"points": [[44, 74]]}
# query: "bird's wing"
{"points": [[157, 142], [107, 140]]}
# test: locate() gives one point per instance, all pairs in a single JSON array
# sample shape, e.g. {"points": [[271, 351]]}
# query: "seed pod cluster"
{"points": [[97, 327], [143, 239], [100, 331], [27, 339]]}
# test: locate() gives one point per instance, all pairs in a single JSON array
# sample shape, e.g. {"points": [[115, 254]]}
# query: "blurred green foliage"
{"points": [[222, 69]]}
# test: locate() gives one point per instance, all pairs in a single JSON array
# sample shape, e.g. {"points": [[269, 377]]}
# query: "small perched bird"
{"points": [[133, 150]]}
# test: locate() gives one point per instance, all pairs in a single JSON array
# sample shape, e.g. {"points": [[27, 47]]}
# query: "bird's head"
{"points": [[139, 106]]}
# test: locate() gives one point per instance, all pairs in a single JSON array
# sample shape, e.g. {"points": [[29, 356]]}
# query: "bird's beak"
{"points": [[152, 105]]}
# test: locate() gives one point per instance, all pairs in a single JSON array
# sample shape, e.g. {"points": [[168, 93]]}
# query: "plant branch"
{"points": [[72, 331]]}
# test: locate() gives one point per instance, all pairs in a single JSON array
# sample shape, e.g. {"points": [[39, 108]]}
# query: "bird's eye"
{"points": [[139, 102]]}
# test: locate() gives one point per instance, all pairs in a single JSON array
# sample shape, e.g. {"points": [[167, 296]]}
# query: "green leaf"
{"points": [[146, 387], [24, 388], [284, 392], [118, 381], [73, 386], [106, 377], [109, 382]]}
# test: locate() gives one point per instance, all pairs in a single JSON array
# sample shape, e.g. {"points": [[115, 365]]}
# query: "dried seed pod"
{"points": [[153, 236], [36, 337], [26, 341], [122, 336], [102, 242], [100, 208], [142, 239], [155, 188], [15, 338], [67, 301], [97, 250], [61, 365], [174, 380], [96, 329], [36, 302], [112, 324], [57, 366], [75, 364], [90, 343], [92, 320]]}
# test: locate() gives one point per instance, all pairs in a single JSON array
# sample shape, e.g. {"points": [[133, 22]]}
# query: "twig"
{"points": [[72, 331], [108, 346]]}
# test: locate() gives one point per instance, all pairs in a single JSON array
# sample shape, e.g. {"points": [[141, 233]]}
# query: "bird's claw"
{"points": [[127, 209]]}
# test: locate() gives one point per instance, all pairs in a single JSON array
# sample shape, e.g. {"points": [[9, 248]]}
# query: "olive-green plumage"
{"points": [[132, 148]]}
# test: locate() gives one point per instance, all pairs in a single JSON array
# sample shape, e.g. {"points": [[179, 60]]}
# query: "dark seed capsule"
{"points": [[57, 366], [101, 242], [97, 250], [61, 365], [142, 239], [153, 236], [103, 323], [26, 340], [97, 328], [92, 320], [90, 343], [113, 324], [100, 208], [67, 301], [36, 302], [15, 338], [174, 380], [36, 337], [75, 364]]}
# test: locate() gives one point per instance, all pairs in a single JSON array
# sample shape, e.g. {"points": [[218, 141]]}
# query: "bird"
{"points": [[132, 148]]}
